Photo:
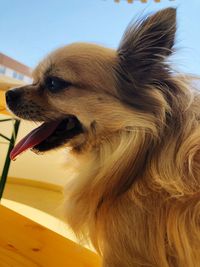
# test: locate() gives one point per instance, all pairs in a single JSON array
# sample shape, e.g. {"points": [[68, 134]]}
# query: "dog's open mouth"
{"points": [[49, 135]]}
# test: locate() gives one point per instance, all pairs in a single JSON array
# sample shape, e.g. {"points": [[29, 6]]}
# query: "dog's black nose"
{"points": [[13, 96]]}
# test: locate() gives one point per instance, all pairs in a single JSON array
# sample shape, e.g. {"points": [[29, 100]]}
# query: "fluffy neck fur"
{"points": [[137, 195]]}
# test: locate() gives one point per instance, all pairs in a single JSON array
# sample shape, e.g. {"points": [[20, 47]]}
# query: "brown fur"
{"points": [[136, 190]]}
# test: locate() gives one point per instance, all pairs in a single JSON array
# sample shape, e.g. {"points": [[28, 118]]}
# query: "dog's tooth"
{"points": [[37, 151]]}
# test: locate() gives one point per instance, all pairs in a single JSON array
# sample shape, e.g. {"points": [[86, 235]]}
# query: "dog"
{"points": [[131, 126]]}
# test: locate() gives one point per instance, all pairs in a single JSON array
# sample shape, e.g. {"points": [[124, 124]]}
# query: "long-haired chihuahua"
{"points": [[132, 129]]}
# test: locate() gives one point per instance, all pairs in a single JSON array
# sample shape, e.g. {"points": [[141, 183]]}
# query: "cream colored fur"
{"points": [[135, 188]]}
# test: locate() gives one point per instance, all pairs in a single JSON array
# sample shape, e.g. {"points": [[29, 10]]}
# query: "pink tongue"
{"points": [[34, 137]]}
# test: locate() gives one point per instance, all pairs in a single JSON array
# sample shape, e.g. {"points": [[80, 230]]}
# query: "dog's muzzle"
{"points": [[13, 97]]}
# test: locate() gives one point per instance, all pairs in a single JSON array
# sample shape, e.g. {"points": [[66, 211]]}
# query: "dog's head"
{"points": [[83, 92]]}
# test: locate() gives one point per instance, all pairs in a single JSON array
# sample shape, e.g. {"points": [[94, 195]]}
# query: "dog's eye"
{"points": [[55, 84]]}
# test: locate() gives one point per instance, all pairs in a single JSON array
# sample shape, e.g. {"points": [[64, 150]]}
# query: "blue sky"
{"points": [[29, 29]]}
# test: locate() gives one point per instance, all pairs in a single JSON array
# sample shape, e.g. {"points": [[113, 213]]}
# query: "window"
{"points": [[2, 70], [14, 75], [18, 76]]}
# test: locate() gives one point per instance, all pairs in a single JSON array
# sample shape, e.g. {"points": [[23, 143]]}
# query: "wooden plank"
{"points": [[5, 84], [2, 103], [24, 243]]}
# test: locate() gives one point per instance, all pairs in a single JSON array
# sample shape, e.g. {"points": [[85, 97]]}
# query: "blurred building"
{"points": [[14, 69]]}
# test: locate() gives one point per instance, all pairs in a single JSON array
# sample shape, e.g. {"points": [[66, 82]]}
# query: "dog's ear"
{"points": [[148, 42], [144, 48]]}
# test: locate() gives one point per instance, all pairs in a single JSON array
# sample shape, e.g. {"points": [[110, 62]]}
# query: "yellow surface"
{"points": [[8, 82], [5, 84], [2, 103], [24, 243], [42, 199], [34, 183]]}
